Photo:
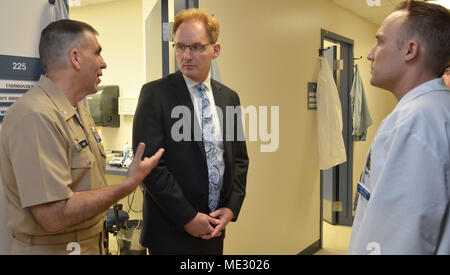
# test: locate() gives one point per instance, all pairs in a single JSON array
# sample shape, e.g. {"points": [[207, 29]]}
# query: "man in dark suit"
{"points": [[446, 76], [199, 185]]}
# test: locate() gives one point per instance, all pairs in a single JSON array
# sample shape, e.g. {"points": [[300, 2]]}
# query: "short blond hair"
{"points": [[431, 24], [211, 23]]}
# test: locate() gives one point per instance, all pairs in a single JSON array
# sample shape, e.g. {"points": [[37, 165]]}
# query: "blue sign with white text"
{"points": [[20, 68], [18, 74]]}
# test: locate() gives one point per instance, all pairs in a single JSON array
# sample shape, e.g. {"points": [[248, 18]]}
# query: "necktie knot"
{"points": [[201, 88]]}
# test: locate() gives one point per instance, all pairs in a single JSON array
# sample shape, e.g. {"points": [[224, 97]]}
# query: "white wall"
{"points": [[21, 23], [130, 36], [151, 13], [24, 20]]}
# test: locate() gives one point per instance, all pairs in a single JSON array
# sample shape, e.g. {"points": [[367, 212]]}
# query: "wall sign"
{"points": [[18, 74]]}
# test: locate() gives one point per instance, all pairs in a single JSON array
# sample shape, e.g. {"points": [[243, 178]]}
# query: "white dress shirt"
{"points": [[196, 101]]}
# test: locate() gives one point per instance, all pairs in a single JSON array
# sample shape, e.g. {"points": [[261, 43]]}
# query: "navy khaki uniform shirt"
{"points": [[48, 152]]}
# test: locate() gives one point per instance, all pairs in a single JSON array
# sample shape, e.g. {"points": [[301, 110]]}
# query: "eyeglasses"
{"points": [[196, 48]]}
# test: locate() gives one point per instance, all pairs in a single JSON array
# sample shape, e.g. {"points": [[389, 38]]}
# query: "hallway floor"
{"points": [[336, 239]]}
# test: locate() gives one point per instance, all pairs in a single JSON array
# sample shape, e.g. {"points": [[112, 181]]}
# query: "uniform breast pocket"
{"points": [[82, 163]]}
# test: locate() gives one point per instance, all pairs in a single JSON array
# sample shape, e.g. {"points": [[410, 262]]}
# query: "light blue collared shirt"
{"points": [[407, 175]]}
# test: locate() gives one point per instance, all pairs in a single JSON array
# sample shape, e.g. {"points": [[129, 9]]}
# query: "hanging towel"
{"points": [[329, 119], [60, 10], [360, 109]]}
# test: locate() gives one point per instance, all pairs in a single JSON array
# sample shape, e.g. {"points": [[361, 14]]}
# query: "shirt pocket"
{"points": [[81, 166]]}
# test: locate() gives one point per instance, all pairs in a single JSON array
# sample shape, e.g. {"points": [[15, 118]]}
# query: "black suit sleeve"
{"points": [[161, 186]]}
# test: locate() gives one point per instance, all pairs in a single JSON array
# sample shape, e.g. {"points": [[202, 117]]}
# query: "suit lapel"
{"points": [[181, 91], [184, 99]]}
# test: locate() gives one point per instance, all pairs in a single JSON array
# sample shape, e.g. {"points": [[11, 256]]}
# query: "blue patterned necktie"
{"points": [[209, 141]]}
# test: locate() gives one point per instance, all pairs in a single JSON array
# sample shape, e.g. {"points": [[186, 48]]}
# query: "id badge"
{"points": [[80, 145], [361, 188], [363, 191]]}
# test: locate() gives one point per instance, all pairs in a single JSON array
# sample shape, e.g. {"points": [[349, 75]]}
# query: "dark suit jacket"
{"points": [[178, 187]]}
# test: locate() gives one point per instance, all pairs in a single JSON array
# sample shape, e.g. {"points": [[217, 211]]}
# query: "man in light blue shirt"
{"points": [[404, 193]]}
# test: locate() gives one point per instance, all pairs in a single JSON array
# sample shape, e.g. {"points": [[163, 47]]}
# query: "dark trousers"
{"points": [[206, 247]]}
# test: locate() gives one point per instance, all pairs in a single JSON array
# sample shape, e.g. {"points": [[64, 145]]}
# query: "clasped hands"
{"points": [[209, 226]]}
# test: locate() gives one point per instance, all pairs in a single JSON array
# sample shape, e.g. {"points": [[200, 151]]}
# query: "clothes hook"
{"points": [[322, 50]]}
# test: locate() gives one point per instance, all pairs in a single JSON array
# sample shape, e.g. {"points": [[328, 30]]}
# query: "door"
{"points": [[170, 8], [336, 182]]}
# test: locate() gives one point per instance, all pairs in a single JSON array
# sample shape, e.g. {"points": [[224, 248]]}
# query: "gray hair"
{"points": [[59, 37]]}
